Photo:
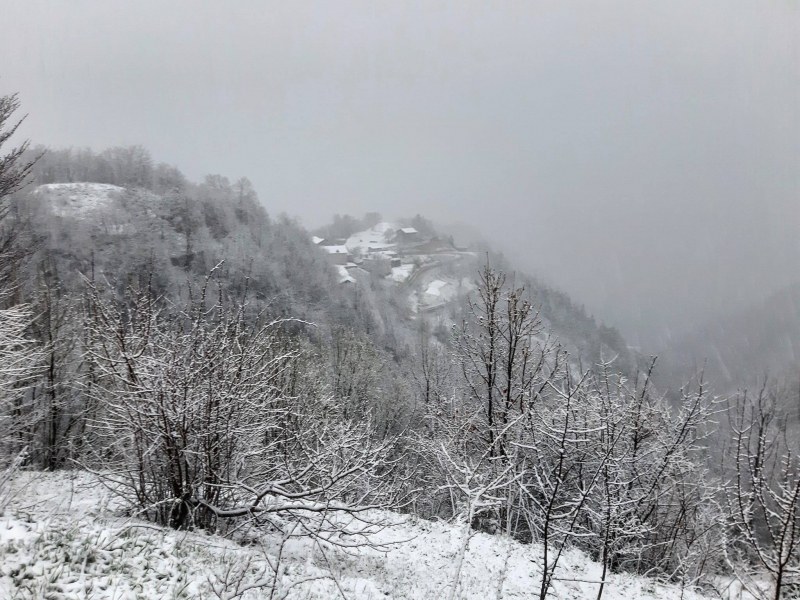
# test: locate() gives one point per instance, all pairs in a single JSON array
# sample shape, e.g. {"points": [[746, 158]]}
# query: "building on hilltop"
{"points": [[407, 235], [338, 254]]}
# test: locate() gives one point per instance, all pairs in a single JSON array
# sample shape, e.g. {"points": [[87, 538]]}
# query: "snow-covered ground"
{"points": [[439, 290], [63, 537], [401, 273], [78, 199], [376, 238]]}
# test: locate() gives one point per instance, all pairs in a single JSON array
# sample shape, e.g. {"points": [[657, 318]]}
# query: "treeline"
{"points": [[172, 232], [200, 357], [125, 166]]}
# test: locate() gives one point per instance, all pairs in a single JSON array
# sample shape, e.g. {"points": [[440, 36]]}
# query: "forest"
{"points": [[201, 358]]}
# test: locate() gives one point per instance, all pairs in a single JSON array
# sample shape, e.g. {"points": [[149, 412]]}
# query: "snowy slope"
{"points": [[376, 238], [78, 199], [62, 537]]}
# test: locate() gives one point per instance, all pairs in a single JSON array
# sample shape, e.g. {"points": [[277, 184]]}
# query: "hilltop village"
{"points": [[424, 265]]}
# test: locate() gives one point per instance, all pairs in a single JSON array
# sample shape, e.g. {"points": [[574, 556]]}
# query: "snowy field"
{"points": [[62, 537], [78, 199], [375, 237]]}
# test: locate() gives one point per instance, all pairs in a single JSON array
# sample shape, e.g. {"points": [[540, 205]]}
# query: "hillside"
{"points": [[429, 279], [63, 536], [229, 376], [170, 241], [387, 280]]}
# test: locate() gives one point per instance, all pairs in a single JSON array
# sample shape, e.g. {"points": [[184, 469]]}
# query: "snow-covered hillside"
{"points": [[375, 239], [423, 267], [63, 537], [78, 199]]}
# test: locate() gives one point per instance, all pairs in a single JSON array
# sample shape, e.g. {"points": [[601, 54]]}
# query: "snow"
{"points": [[413, 302], [409, 230], [439, 292], [384, 228], [432, 295], [373, 239], [468, 285], [63, 537], [316, 239], [436, 287], [401, 273], [344, 275], [78, 199], [335, 249]]}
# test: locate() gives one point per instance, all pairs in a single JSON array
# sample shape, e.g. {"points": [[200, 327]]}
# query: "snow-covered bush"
{"points": [[206, 418]]}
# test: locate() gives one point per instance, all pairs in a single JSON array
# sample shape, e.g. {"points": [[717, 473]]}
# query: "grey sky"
{"points": [[645, 156]]}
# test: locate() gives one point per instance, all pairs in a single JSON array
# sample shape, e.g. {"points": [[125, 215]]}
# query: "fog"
{"points": [[643, 156]]}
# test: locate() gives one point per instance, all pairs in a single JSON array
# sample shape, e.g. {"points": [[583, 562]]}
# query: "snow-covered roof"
{"points": [[344, 276], [435, 287], [401, 273], [317, 239], [335, 249], [409, 230]]}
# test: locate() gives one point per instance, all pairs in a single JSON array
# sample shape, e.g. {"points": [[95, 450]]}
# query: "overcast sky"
{"points": [[644, 156]]}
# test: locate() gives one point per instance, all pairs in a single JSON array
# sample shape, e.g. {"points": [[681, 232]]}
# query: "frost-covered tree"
{"points": [[504, 367], [209, 417], [587, 459], [20, 356], [431, 369], [20, 361], [763, 494], [355, 371], [16, 164], [14, 168], [653, 509]]}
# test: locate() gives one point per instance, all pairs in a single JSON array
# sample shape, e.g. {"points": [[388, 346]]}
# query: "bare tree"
{"points": [[57, 403], [356, 369], [654, 508], [563, 463], [533, 424], [21, 359], [763, 494], [207, 419], [471, 474], [574, 457], [431, 368], [506, 365]]}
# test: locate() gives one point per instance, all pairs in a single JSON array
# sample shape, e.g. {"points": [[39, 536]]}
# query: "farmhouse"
{"points": [[407, 235], [338, 254]]}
